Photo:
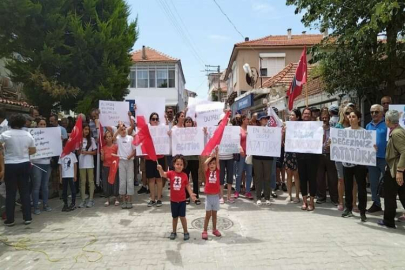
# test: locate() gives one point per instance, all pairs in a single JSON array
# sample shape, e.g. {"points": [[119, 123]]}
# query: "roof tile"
{"points": [[152, 55], [282, 40]]}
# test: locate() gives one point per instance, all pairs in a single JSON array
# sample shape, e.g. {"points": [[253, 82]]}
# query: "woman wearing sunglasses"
{"points": [[152, 174]]}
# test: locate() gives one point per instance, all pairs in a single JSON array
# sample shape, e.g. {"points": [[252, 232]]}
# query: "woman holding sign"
{"points": [[358, 172], [41, 171]]}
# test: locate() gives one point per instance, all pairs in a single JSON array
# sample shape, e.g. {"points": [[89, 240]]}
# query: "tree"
{"points": [[69, 53], [364, 52]]}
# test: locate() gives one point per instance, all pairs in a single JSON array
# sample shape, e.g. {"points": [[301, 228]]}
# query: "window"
{"points": [[162, 78], [172, 78], [132, 78], [142, 78], [152, 78], [270, 66]]}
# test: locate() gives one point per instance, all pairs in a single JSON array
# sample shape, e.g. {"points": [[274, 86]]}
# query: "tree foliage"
{"points": [[68, 52], [364, 52]]}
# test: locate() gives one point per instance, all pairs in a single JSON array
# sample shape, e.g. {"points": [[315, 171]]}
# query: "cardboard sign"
{"points": [[48, 142], [192, 104], [230, 142], [208, 115], [111, 112], [263, 141], [353, 146], [146, 106], [401, 110], [304, 137], [187, 141], [160, 138]]}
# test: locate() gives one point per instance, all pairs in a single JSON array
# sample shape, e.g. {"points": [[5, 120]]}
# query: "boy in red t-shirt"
{"points": [[212, 190], [178, 184]]}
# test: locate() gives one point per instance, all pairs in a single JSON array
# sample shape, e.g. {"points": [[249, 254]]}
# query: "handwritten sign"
{"points": [[192, 104], [353, 146], [401, 110], [304, 137], [209, 115], [48, 142], [230, 142], [146, 106], [111, 112], [187, 141], [263, 141], [160, 138]]}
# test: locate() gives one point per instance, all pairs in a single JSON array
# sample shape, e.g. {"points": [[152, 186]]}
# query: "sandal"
{"points": [[204, 235], [296, 200], [197, 202], [117, 203], [311, 207], [107, 203], [188, 201], [304, 206], [216, 233]]}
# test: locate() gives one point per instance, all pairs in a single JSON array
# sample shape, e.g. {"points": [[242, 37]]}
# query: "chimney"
{"points": [[289, 33], [304, 32], [246, 38], [143, 53], [325, 32]]}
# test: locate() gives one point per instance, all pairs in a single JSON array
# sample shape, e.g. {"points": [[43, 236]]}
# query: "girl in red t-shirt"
{"points": [[178, 186], [212, 191]]}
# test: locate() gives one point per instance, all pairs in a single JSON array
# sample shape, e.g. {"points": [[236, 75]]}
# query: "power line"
{"points": [[223, 12]]}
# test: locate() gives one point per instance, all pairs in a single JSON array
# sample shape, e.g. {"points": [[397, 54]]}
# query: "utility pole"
{"points": [[208, 69]]}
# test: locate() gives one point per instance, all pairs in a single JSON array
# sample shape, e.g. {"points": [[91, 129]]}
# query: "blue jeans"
{"points": [[375, 174], [40, 181], [242, 166], [273, 174]]}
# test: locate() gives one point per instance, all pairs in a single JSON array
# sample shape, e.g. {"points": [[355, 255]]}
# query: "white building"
{"points": [[155, 74], [213, 86]]}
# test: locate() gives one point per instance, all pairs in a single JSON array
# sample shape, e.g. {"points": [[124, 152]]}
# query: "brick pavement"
{"points": [[280, 236]]}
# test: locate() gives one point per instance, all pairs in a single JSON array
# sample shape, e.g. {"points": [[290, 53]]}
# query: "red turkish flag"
{"points": [[113, 169], [299, 80], [75, 138], [217, 137], [144, 138]]}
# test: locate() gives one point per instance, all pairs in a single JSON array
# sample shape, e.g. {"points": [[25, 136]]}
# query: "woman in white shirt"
{"points": [[18, 146], [41, 171]]}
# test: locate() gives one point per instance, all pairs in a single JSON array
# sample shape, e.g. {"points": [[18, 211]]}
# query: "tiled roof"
{"points": [[16, 103], [315, 87], [296, 40], [152, 55], [284, 77]]}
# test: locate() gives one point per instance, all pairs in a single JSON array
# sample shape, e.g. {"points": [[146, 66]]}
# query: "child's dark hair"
{"points": [[176, 157], [212, 159], [88, 137]]}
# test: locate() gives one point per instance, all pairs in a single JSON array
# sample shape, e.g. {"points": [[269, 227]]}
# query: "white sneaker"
{"points": [[268, 202], [259, 202]]}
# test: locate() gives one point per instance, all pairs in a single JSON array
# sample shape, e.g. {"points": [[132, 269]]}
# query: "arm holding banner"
{"points": [[132, 123], [32, 150]]}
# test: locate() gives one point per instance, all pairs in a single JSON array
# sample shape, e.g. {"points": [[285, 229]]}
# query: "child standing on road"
{"points": [[68, 175], [212, 190], [178, 185]]}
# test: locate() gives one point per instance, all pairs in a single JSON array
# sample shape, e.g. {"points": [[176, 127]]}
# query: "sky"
{"points": [[197, 33]]}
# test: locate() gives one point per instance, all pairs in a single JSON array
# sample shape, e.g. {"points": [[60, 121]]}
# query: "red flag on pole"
{"points": [[217, 137], [113, 169], [144, 138], [299, 80], [75, 138]]}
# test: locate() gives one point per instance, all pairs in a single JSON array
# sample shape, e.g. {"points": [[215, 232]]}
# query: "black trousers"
{"points": [[65, 183], [360, 173], [192, 167], [17, 177], [307, 170], [327, 168], [391, 190]]}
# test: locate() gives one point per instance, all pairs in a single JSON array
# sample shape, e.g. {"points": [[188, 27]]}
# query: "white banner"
{"points": [[401, 110], [160, 138], [111, 112], [192, 104], [230, 142], [263, 141], [146, 106], [353, 146], [304, 137], [48, 142], [187, 141], [208, 115]]}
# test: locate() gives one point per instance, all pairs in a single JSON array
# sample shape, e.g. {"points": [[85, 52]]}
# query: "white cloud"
{"points": [[262, 7], [218, 37]]}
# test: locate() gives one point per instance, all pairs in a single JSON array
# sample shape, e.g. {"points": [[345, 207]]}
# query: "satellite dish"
{"points": [[252, 79]]}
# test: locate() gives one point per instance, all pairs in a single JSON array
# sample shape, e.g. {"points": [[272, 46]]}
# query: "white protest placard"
{"points": [[48, 142], [187, 141], [192, 104], [160, 138], [263, 141], [146, 106], [401, 110], [111, 112], [209, 115], [230, 142], [353, 146], [304, 137]]}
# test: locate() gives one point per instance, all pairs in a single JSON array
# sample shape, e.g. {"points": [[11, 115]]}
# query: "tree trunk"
{"points": [[390, 90]]}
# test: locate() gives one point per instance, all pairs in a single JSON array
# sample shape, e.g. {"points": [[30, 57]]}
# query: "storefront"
{"points": [[243, 103]]}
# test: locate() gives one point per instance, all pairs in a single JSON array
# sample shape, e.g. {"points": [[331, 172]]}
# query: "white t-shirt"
{"points": [[87, 161], [125, 146], [42, 161], [68, 165], [16, 144]]}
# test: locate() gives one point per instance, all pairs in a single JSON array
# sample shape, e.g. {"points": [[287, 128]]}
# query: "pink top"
{"points": [[243, 139]]}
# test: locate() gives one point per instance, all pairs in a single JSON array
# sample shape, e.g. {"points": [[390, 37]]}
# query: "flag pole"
{"points": [[306, 96]]}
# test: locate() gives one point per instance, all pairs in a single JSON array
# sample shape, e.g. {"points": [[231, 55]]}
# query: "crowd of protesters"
{"points": [[310, 175]]}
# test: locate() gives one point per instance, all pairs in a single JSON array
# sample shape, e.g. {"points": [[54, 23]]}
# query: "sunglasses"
{"points": [[374, 112], [154, 119]]}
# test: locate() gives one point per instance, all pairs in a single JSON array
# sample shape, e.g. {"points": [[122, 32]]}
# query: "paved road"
{"points": [[280, 236]]}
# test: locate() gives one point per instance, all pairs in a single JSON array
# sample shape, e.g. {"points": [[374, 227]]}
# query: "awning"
{"points": [[259, 91]]}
